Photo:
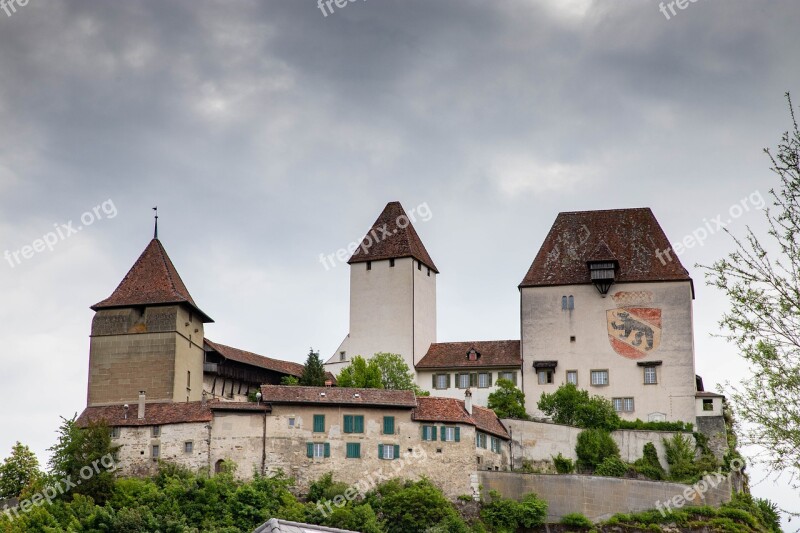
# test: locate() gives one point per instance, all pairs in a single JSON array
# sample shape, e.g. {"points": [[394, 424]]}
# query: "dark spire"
{"points": [[155, 232]]}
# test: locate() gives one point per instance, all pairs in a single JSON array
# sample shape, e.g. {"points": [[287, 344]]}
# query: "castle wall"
{"points": [[581, 339], [135, 456]]}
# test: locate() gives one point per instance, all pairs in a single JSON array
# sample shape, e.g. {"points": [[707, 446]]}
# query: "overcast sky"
{"points": [[269, 133]]}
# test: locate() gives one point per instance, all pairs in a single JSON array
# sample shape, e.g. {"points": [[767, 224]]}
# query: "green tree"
{"points": [[394, 372], [574, 407], [593, 447], [313, 371], [508, 401], [81, 450], [290, 380], [761, 279], [360, 374], [18, 471]]}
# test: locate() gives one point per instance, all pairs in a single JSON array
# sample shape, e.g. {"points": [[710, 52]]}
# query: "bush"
{"points": [[594, 446], [507, 401], [656, 426], [572, 406], [505, 515], [563, 464], [649, 465], [414, 506], [576, 520], [611, 467], [680, 457]]}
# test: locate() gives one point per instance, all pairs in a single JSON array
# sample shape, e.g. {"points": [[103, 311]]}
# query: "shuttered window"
{"points": [[353, 423], [389, 452], [388, 425], [353, 450], [319, 423], [429, 433]]}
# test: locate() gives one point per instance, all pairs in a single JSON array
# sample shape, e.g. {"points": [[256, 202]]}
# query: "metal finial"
{"points": [[155, 232]]}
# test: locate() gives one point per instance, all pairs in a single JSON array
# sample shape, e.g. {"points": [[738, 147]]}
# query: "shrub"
{"points": [[576, 520], [594, 445], [572, 406], [533, 511], [611, 467], [680, 457], [507, 401], [505, 515], [414, 506], [563, 464], [656, 426], [649, 465]]}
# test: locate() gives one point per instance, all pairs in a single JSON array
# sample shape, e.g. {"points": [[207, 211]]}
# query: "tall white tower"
{"points": [[392, 293]]}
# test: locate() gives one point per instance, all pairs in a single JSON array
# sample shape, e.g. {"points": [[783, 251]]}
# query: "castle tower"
{"points": [[147, 336], [392, 293], [607, 305]]}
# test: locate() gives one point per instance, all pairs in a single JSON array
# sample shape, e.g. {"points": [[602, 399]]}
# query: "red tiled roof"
{"points": [[454, 355], [156, 414], [281, 394], [249, 358], [151, 280], [703, 394], [452, 411], [238, 406], [632, 235], [401, 241]]}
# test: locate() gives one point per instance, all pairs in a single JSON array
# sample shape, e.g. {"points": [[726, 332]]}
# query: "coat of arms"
{"points": [[634, 332]]}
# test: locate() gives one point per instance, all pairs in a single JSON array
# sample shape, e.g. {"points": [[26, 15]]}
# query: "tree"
{"points": [[593, 447], [574, 407], [85, 455], [761, 279], [508, 401], [394, 371], [360, 374], [313, 371], [290, 380], [18, 471]]}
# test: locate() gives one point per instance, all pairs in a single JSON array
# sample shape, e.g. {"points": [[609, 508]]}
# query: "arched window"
{"points": [[219, 466], [563, 303], [571, 304]]}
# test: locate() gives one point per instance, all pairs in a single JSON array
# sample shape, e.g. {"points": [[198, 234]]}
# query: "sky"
{"points": [[268, 133]]}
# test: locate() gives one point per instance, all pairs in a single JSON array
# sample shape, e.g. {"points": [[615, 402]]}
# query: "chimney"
{"points": [[141, 404], [468, 401]]}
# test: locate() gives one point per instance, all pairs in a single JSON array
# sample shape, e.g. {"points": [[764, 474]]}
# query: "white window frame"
{"points": [[449, 434], [188, 446], [292, 422], [545, 376], [319, 450], [483, 380], [156, 432], [573, 373], [463, 381], [116, 431], [650, 375], [628, 405], [155, 451], [600, 382], [388, 452], [441, 381]]}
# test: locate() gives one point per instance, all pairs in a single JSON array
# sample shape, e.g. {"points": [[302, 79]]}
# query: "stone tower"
{"points": [[392, 293], [147, 336]]}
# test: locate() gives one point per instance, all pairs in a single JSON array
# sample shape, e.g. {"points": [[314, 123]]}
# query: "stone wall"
{"points": [[598, 498], [713, 427], [135, 456], [538, 442]]}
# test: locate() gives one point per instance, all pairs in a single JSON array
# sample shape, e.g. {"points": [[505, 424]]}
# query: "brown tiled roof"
{"points": [[632, 235], [156, 414], [151, 280], [402, 240], [238, 406], [704, 394], [454, 355], [452, 411], [249, 358], [282, 394]]}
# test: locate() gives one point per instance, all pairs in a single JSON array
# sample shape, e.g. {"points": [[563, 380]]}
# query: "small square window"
{"points": [[291, 421], [599, 377], [188, 447], [572, 377], [572, 338], [353, 450], [342, 356], [156, 432], [484, 380], [369, 265], [708, 405], [116, 432], [650, 377], [388, 451], [442, 381], [391, 262], [156, 451], [545, 377], [319, 450], [463, 381]]}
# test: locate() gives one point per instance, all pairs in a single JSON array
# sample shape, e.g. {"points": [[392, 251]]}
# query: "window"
{"points": [[599, 377], [369, 265], [650, 375], [545, 377], [391, 262], [496, 445], [389, 451], [342, 356], [353, 450], [354, 423], [318, 450], [463, 381], [480, 440], [623, 405], [388, 425], [484, 380], [708, 405], [572, 338], [510, 376], [188, 379], [429, 433], [156, 451], [567, 303], [291, 422], [419, 265], [115, 432], [441, 381], [429, 272], [572, 377], [571, 304], [450, 434], [319, 423], [156, 432], [188, 447], [563, 303]]}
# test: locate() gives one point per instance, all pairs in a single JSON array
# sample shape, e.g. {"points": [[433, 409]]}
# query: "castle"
{"points": [[597, 309]]}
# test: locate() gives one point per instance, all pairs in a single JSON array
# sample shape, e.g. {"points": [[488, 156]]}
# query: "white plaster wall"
{"points": [[546, 332], [480, 396], [424, 311], [717, 411]]}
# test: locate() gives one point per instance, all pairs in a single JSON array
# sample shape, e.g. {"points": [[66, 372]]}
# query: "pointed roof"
{"points": [[153, 280], [632, 237], [392, 236]]}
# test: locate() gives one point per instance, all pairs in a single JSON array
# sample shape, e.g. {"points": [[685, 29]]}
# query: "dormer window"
{"points": [[473, 355], [603, 274]]}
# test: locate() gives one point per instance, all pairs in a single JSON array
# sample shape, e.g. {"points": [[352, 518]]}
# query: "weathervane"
{"points": [[155, 232]]}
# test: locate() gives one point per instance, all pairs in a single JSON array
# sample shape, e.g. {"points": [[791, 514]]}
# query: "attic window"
{"points": [[369, 265], [473, 355], [603, 274], [391, 262]]}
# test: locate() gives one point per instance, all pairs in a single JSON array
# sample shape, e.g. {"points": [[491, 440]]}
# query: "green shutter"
{"points": [[353, 450], [388, 425], [448, 380], [473, 380], [458, 434], [424, 432], [397, 451], [433, 384], [348, 423], [309, 449], [380, 451], [433, 432], [319, 423], [490, 379], [327, 449], [442, 434], [359, 424], [458, 380], [514, 378]]}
